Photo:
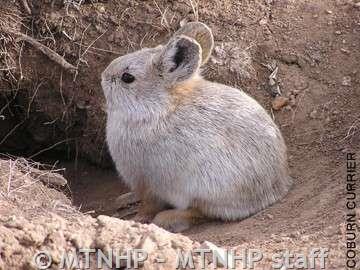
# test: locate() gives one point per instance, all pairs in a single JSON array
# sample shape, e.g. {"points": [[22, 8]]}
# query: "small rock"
{"points": [[329, 12], [345, 51], [279, 102], [338, 32], [346, 81], [102, 9], [269, 216], [263, 21], [313, 114]]}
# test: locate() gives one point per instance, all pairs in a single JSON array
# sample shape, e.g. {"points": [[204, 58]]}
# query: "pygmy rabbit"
{"points": [[190, 148]]}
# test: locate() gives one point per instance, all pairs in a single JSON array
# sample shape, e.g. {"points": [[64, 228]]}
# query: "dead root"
{"points": [[26, 6], [54, 56]]}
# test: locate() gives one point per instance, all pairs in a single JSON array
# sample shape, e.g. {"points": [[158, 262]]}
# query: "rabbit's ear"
{"points": [[179, 59], [202, 34]]}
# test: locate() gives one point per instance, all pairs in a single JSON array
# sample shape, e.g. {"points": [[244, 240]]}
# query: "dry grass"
{"points": [[24, 185], [72, 3], [352, 130], [7, 61], [195, 9], [9, 19], [165, 23]]}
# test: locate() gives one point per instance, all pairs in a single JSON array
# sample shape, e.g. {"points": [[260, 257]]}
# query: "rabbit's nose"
{"points": [[107, 74], [111, 71]]}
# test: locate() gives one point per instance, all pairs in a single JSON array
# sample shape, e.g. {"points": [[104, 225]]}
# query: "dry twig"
{"points": [[48, 52], [195, 8], [11, 132], [49, 148], [26, 6], [164, 22]]}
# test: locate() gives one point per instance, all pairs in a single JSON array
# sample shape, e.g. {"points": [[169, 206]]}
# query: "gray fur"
{"points": [[216, 149]]}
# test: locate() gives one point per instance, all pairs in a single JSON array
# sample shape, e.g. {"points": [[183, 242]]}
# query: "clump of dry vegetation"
{"points": [[25, 186]]}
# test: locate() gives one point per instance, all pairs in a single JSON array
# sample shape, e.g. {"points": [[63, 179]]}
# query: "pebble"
{"points": [[279, 102], [346, 81], [313, 114], [102, 9], [263, 21], [345, 51]]}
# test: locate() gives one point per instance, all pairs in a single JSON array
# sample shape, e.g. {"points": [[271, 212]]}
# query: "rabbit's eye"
{"points": [[127, 78]]}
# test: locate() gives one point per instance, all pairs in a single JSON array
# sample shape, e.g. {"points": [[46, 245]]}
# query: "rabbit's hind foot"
{"points": [[177, 220]]}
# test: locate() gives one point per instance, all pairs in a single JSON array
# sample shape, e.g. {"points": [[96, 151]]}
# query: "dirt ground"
{"points": [[46, 109]]}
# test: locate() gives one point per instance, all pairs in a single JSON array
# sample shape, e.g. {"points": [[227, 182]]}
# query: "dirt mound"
{"points": [[35, 218]]}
